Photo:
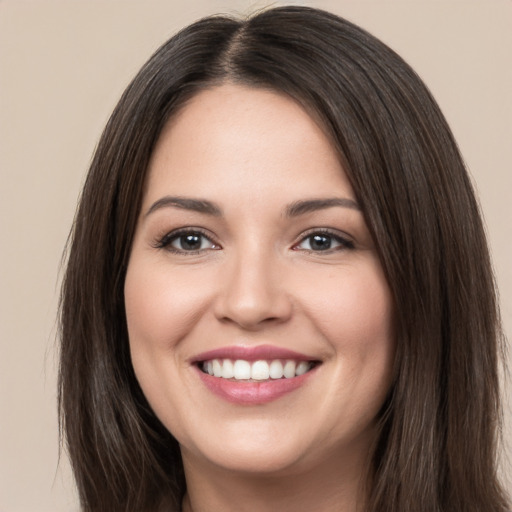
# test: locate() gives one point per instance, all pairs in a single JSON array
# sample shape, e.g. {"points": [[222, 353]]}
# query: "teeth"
{"points": [[289, 369], [257, 370], [302, 368], [260, 370], [217, 368], [276, 370], [242, 370], [228, 372]]}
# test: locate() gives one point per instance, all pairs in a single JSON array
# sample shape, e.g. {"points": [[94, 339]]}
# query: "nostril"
{"points": [[250, 293], [252, 315]]}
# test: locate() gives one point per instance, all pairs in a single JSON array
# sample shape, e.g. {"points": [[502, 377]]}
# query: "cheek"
{"points": [[355, 306], [161, 307], [356, 318], [161, 311]]}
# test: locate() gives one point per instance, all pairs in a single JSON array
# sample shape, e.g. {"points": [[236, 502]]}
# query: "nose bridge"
{"points": [[252, 292]]}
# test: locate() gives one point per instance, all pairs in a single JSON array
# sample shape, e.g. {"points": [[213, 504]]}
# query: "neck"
{"points": [[325, 487]]}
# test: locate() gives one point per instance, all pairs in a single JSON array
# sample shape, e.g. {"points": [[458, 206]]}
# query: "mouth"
{"points": [[254, 375], [256, 371]]}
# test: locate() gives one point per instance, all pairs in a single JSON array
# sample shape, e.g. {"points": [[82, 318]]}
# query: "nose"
{"points": [[252, 293]]}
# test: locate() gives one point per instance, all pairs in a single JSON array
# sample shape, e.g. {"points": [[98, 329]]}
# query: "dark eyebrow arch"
{"points": [[186, 203], [301, 207]]}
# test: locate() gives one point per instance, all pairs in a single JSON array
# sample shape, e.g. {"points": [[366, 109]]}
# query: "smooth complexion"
{"points": [[233, 251]]}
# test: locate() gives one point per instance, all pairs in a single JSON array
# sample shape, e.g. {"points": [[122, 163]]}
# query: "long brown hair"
{"points": [[438, 428]]}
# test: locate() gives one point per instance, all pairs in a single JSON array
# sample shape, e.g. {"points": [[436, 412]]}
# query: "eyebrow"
{"points": [[186, 203], [294, 209], [301, 207]]}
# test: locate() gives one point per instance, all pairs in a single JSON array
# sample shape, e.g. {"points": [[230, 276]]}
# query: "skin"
{"points": [[257, 279]]}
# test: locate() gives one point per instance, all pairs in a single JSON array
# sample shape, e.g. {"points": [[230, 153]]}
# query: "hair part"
{"points": [[418, 202]]}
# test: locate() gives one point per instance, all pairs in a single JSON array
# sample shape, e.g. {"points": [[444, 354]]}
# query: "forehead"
{"points": [[231, 135]]}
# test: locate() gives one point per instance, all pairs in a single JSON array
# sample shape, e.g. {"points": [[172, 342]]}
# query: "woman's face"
{"points": [[252, 261]]}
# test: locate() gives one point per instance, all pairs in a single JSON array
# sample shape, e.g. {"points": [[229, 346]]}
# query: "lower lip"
{"points": [[252, 393]]}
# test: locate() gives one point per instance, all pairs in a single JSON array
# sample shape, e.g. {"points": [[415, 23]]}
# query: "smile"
{"points": [[260, 370], [254, 375]]}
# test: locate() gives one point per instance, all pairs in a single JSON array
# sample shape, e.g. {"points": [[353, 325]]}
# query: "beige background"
{"points": [[64, 64]]}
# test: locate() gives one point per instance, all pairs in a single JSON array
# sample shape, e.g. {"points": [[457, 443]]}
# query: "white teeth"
{"points": [[302, 368], [227, 369], [276, 370], [242, 370], [289, 369], [257, 370], [217, 368], [260, 370]]}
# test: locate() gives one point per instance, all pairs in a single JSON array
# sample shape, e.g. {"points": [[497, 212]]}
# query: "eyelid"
{"points": [[164, 241], [346, 242]]}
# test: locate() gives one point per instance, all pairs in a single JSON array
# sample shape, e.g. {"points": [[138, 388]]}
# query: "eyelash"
{"points": [[345, 243], [165, 241]]}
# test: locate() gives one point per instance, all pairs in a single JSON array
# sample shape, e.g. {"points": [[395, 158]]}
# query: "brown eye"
{"points": [[320, 242], [186, 242], [323, 242], [189, 242]]}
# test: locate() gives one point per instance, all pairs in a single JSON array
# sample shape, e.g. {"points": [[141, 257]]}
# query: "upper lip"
{"points": [[251, 353]]}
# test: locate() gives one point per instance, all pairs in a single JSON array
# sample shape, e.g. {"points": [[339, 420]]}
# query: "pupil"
{"points": [[190, 242], [320, 242]]}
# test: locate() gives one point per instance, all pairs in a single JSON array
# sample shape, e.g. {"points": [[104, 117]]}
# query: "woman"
{"points": [[278, 293]]}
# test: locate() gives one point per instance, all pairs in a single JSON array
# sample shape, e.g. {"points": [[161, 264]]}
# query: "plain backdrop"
{"points": [[64, 64]]}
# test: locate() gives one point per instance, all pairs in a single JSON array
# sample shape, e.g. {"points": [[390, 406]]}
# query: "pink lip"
{"points": [[252, 393], [259, 352]]}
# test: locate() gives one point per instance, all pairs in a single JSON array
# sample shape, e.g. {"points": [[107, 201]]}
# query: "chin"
{"points": [[253, 458], [256, 446], [260, 447]]}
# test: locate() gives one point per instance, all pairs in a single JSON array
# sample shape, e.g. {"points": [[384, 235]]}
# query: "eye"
{"points": [[186, 241], [323, 241]]}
